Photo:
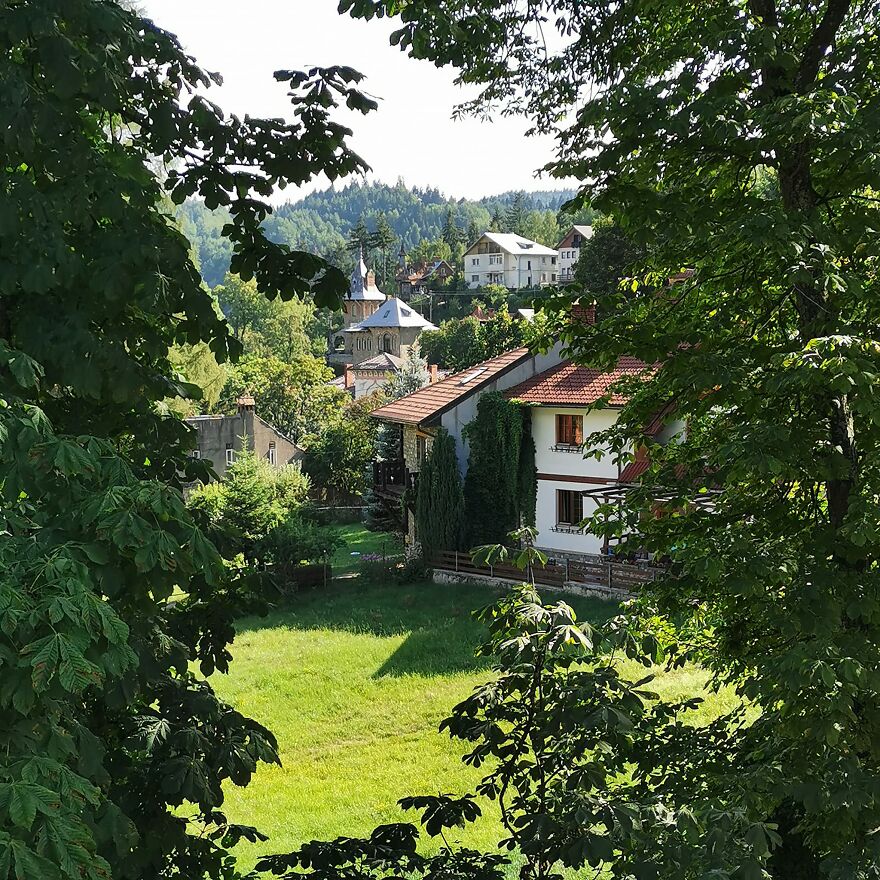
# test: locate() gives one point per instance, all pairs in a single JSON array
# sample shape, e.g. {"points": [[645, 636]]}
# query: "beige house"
{"points": [[392, 329], [363, 298]]}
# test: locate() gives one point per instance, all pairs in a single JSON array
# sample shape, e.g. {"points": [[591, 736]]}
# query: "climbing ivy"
{"points": [[492, 487]]}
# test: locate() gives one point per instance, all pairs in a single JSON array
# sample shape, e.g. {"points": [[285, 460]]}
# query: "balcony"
{"points": [[391, 478]]}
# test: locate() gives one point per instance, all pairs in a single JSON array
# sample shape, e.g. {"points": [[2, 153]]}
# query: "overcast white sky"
{"points": [[412, 134]]}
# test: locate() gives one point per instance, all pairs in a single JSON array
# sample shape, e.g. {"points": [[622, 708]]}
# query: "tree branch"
{"points": [[820, 42]]}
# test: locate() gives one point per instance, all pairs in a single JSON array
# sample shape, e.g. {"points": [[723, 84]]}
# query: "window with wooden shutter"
{"points": [[569, 430]]}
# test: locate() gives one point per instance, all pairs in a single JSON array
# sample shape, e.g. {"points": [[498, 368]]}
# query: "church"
{"points": [[377, 333]]}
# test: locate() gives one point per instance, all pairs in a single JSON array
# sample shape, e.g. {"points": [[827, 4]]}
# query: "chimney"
{"points": [[246, 408], [349, 377], [432, 373], [581, 313]]}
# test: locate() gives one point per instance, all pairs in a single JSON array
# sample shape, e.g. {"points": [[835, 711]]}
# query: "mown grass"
{"points": [[359, 541], [354, 681]]}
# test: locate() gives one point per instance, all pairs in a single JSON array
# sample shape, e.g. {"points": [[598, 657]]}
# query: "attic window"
{"points": [[471, 376], [405, 312], [526, 245]]}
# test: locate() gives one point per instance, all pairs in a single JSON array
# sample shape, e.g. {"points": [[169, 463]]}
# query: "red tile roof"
{"points": [[435, 399], [634, 470], [568, 384]]}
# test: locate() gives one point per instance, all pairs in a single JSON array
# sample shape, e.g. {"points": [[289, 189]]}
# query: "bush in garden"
{"points": [[294, 543]]}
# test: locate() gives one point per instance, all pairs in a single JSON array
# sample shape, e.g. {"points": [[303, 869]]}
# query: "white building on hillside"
{"points": [[510, 260], [569, 250]]}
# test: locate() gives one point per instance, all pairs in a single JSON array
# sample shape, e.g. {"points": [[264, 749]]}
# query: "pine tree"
{"points": [[250, 506], [382, 241], [498, 224], [451, 234], [440, 501], [516, 217], [473, 232], [412, 375], [359, 237]]}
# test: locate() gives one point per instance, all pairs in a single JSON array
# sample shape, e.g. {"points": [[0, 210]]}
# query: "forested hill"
{"points": [[321, 221]]}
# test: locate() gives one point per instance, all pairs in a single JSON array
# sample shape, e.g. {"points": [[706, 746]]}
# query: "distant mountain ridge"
{"points": [[320, 221]]}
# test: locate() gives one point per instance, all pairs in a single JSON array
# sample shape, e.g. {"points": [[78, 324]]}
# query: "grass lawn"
{"points": [[354, 681], [359, 539]]}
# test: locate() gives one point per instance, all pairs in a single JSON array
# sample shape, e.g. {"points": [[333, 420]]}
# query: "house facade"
{"points": [[361, 302], [421, 277], [510, 260], [560, 396], [569, 251], [450, 403], [561, 402], [220, 438]]}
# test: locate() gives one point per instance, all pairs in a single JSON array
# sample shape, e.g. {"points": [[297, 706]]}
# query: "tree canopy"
{"points": [[114, 749], [734, 140]]}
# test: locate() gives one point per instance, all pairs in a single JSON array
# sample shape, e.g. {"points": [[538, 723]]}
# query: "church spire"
{"points": [[358, 274]]}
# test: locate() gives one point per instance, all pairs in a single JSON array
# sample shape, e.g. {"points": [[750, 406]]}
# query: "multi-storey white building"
{"points": [[510, 260], [569, 251]]}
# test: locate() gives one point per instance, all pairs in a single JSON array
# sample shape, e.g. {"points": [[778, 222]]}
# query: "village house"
{"points": [[220, 438], [421, 277], [569, 251], [510, 260], [450, 403], [560, 396]]}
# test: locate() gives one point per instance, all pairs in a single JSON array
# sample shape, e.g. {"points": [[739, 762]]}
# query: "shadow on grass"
{"points": [[437, 620]]}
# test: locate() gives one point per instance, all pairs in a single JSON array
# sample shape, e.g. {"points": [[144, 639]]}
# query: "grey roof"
{"points": [[516, 244], [381, 361], [394, 314]]}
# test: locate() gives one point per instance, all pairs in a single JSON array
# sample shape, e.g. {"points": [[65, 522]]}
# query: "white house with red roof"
{"points": [[563, 421]]}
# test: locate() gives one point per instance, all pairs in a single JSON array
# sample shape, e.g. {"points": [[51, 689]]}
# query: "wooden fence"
{"points": [[587, 570]]}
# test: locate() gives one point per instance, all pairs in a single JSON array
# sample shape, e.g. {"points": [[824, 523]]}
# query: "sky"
{"points": [[411, 135]]}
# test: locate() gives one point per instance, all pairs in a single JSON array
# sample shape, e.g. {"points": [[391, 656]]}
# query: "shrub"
{"points": [[296, 542]]}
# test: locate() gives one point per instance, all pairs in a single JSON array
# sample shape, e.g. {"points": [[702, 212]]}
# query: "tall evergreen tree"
{"points": [[473, 232], [451, 233], [439, 501], [516, 218], [359, 237]]}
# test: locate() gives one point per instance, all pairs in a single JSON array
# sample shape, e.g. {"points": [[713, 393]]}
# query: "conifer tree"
{"points": [[439, 501]]}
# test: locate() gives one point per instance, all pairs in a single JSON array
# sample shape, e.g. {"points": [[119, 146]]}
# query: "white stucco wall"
{"points": [[553, 463], [571, 463], [545, 520]]}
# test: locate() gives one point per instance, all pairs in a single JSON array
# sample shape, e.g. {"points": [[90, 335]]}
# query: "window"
{"points": [[569, 430], [528, 264], [554, 276], [272, 453], [421, 450], [495, 260], [195, 454], [552, 261], [475, 279], [569, 507], [230, 454], [475, 261], [387, 343]]}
